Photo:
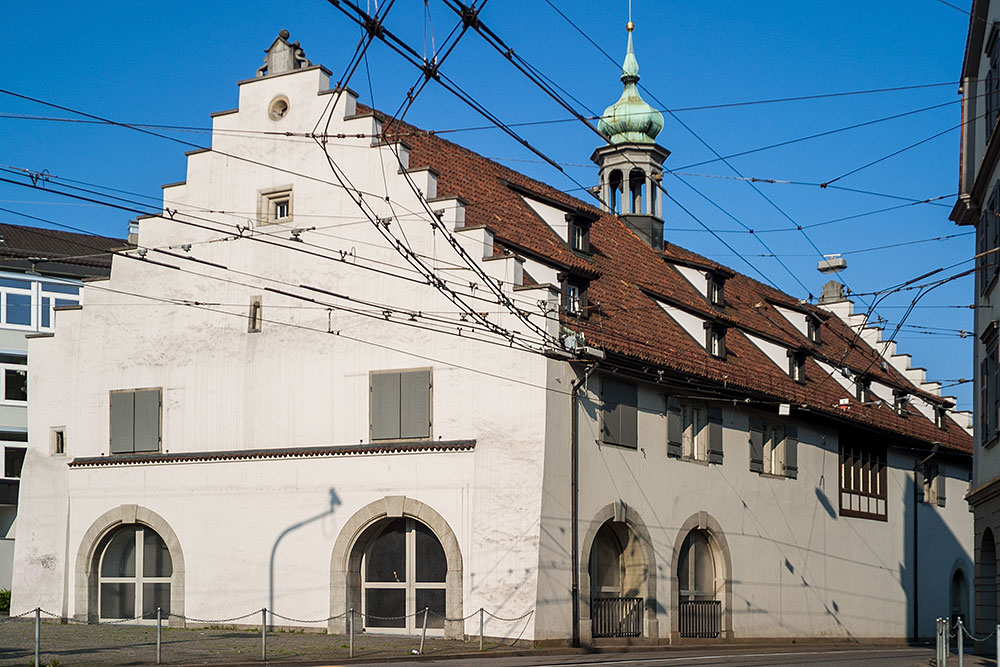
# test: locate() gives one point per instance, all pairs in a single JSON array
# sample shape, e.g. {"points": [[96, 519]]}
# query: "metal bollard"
{"points": [[423, 632], [38, 623], [350, 630], [960, 630], [939, 644], [159, 631], [480, 628], [263, 634]]}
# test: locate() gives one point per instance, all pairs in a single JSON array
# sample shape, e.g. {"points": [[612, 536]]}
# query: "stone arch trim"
{"points": [[345, 573], [623, 513], [717, 538], [85, 600]]}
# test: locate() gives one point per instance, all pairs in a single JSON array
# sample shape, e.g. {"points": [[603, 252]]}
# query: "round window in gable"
{"points": [[278, 108]]}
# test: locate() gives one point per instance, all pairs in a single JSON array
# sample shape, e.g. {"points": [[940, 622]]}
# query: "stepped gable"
{"points": [[627, 276]]}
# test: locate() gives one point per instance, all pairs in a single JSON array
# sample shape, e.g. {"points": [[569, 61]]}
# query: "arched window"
{"points": [[134, 569], [959, 597], [614, 187], [696, 568], [637, 190], [606, 568], [403, 571]]}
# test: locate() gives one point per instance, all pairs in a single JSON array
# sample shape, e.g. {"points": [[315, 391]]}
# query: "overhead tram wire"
{"points": [[713, 151], [522, 65]]}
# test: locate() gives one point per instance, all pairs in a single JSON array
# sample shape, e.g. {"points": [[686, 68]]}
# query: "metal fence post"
{"points": [[480, 628], [350, 630], [423, 632], [159, 631], [961, 642], [937, 643], [38, 623], [263, 634]]}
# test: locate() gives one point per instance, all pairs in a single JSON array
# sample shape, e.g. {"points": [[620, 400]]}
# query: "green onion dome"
{"points": [[630, 119]]}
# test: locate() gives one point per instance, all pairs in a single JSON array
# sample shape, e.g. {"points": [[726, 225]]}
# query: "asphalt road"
{"points": [[887, 657]]}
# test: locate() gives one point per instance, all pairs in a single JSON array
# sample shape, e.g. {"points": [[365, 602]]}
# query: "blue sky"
{"points": [[175, 63]]}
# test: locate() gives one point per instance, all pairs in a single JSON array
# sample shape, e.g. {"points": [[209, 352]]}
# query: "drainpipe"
{"points": [[575, 500], [916, 543]]}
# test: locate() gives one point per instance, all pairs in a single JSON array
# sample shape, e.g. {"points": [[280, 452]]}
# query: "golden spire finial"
{"points": [[629, 26]]}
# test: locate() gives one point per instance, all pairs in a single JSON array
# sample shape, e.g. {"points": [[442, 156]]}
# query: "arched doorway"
{"points": [[699, 609], [701, 597], [959, 598], [129, 563], [401, 540], [986, 583], [403, 571], [618, 574], [134, 570]]}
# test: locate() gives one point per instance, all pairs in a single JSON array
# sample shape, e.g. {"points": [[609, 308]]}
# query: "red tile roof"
{"points": [[630, 276]]}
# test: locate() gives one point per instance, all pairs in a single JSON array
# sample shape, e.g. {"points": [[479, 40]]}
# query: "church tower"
{"points": [[631, 164]]}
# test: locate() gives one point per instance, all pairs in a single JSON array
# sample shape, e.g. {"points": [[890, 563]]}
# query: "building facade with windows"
{"points": [[41, 271], [421, 380], [978, 205]]}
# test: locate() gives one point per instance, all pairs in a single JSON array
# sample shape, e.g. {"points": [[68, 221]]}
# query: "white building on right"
{"points": [[979, 205]]}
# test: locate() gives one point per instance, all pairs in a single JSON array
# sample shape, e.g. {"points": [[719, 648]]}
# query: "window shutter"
{"points": [[756, 445], [147, 421], [122, 408], [715, 434], [385, 406], [919, 474], [628, 414], [791, 451], [675, 426], [941, 481], [415, 404], [610, 396]]}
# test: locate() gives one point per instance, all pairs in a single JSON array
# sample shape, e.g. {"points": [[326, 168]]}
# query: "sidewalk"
{"points": [[129, 644]]}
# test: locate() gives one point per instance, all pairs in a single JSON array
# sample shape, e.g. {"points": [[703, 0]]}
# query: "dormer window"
{"points": [[940, 417], [797, 366], [574, 297], [813, 329], [863, 389], [275, 206], [715, 340], [900, 403], [579, 234], [716, 290]]}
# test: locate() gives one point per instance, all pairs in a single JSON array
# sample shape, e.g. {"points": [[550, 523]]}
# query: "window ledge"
{"points": [[691, 459], [396, 447], [772, 475]]}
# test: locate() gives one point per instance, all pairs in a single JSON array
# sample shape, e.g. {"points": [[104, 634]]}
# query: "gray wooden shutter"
{"points": [[756, 445], [147, 421], [941, 481], [385, 406], [611, 396], [415, 404], [675, 426], [629, 414], [122, 409], [791, 451], [919, 477], [715, 434]]}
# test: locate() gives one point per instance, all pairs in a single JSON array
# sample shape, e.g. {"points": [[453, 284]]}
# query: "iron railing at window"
{"points": [[700, 618], [617, 617]]}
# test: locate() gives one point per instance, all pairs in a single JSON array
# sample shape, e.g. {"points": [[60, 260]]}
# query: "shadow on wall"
{"points": [[334, 503]]}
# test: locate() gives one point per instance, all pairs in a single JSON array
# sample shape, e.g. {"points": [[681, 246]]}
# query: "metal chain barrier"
{"points": [[21, 615], [447, 618], [975, 638], [511, 620], [301, 620], [214, 621]]}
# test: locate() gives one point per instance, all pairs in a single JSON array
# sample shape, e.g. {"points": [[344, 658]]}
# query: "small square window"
{"points": [[797, 366], [579, 233], [58, 441], [813, 329], [275, 206], [400, 405], [863, 389], [716, 290], [715, 340], [940, 417], [901, 403], [574, 297], [254, 318]]}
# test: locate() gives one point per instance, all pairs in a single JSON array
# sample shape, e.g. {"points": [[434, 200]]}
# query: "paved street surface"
{"points": [[82, 645]]}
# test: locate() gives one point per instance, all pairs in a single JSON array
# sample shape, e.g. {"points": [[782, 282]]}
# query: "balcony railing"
{"points": [[616, 617], [700, 618]]}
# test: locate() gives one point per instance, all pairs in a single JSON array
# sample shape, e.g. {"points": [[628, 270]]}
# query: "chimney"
{"points": [[833, 292]]}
